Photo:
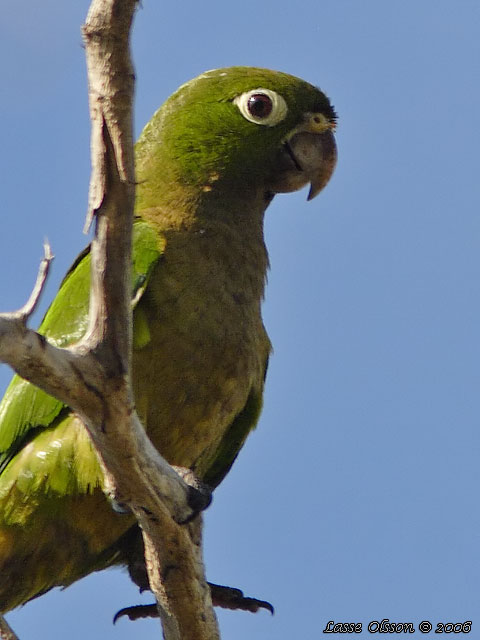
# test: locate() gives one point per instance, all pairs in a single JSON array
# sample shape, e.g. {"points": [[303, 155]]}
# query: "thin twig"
{"points": [[29, 307]]}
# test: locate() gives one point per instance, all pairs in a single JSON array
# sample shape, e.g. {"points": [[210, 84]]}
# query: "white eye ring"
{"points": [[276, 114]]}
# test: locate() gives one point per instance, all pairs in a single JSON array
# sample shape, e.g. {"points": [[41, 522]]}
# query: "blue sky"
{"points": [[356, 497]]}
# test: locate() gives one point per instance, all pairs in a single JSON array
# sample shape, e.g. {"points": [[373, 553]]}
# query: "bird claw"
{"points": [[137, 611], [231, 598], [224, 597], [199, 494]]}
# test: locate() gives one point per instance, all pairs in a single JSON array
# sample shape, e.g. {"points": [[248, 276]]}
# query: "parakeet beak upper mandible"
{"points": [[308, 155], [314, 147], [316, 155]]}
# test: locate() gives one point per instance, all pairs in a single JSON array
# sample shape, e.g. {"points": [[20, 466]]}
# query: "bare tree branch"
{"points": [[93, 376]]}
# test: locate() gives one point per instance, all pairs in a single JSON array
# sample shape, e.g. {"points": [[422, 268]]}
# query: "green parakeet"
{"points": [[208, 164]]}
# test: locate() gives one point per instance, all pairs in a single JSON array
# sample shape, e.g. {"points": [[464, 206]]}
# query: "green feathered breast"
{"points": [[50, 478]]}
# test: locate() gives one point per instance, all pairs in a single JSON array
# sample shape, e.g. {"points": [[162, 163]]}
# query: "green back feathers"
{"points": [[25, 408]]}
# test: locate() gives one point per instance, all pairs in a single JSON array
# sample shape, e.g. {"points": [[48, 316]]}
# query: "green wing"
{"points": [[26, 409]]}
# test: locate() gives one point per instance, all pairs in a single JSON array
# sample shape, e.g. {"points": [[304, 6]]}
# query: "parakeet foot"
{"points": [[198, 499], [231, 598], [136, 612], [200, 494], [225, 597]]}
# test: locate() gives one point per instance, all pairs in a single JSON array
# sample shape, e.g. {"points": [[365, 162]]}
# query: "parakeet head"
{"points": [[240, 128]]}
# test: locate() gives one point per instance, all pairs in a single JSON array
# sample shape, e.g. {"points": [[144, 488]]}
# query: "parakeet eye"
{"points": [[262, 106], [259, 105]]}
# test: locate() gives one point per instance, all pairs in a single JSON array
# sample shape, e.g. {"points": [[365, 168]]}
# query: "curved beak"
{"points": [[316, 157], [308, 155]]}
